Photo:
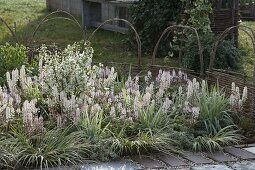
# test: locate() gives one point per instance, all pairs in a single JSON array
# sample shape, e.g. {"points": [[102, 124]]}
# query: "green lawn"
{"points": [[246, 45], [108, 46]]}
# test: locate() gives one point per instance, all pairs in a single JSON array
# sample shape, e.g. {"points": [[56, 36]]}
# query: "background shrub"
{"points": [[11, 57], [227, 56], [151, 17]]}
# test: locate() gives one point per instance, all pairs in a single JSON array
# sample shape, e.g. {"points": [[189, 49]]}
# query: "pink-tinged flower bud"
{"points": [[245, 94], [195, 111], [59, 121], [112, 112]]}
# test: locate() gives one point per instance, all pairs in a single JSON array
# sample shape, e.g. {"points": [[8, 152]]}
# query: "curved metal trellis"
{"points": [[47, 19], [138, 40], [222, 36], [172, 28], [225, 78], [10, 30]]}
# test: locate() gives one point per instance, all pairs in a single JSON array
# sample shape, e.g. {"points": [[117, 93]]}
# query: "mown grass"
{"points": [[245, 44], [108, 46]]}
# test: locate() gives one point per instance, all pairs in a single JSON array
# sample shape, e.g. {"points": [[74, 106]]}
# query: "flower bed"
{"points": [[69, 111]]}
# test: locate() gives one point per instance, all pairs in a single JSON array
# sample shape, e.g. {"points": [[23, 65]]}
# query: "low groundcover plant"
{"points": [[72, 111]]}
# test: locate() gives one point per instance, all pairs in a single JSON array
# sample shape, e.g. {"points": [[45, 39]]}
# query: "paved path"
{"points": [[239, 157]]}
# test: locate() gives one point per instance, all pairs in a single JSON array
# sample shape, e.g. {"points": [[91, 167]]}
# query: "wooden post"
{"points": [[15, 27], [219, 5], [48, 3], [86, 19], [234, 20]]}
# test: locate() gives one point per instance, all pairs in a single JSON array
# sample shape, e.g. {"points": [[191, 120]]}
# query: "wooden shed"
{"points": [[247, 9], [97, 11], [72, 6], [94, 12], [225, 15]]}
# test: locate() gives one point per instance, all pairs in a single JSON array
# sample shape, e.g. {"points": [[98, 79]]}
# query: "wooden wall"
{"points": [[72, 6]]}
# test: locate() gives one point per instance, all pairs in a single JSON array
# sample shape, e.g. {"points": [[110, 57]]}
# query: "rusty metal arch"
{"points": [[10, 30], [47, 19], [222, 36], [170, 29], [138, 40]]}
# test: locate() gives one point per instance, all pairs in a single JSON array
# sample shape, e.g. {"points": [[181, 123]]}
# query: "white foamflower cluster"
{"points": [[10, 96], [6, 105], [237, 100], [30, 119], [193, 110], [65, 70], [166, 78], [11, 103], [193, 88], [72, 87]]}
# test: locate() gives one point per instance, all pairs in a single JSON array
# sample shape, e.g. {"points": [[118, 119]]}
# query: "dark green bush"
{"points": [[11, 57], [227, 55], [151, 17]]}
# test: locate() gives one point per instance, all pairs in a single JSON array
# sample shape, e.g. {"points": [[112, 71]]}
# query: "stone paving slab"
{"points": [[220, 157], [240, 153], [251, 149], [243, 166], [196, 158], [148, 162], [245, 145], [241, 146], [60, 168], [114, 165], [211, 167], [171, 160]]}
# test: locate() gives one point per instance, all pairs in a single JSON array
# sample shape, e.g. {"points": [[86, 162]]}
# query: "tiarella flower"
{"points": [[240, 104], [236, 100], [195, 111], [180, 90], [29, 110], [123, 114], [190, 89], [12, 81], [149, 89], [146, 99], [166, 105], [233, 87], [245, 94], [160, 93], [109, 100], [112, 112], [59, 121], [76, 116], [232, 100], [95, 109], [41, 124], [187, 108], [119, 105], [9, 113], [174, 73], [148, 77], [23, 77], [204, 86], [237, 92]]}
